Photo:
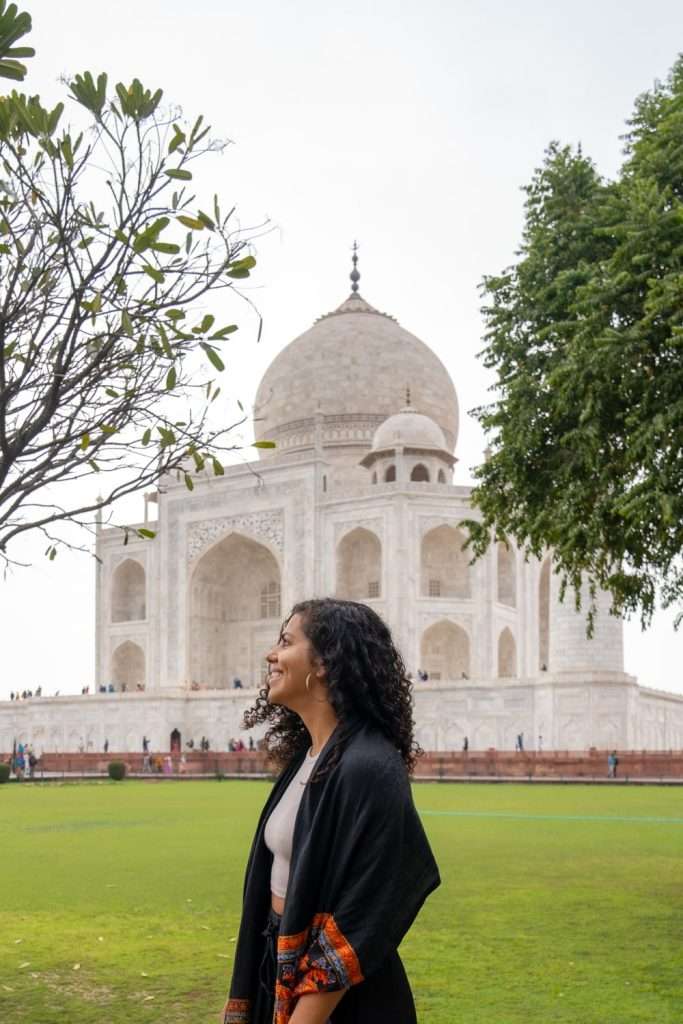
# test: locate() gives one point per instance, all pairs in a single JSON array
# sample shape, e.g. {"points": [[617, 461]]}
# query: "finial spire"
{"points": [[355, 274], [408, 395]]}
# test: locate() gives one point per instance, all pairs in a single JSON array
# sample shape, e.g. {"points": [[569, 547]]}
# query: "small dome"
{"points": [[408, 429]]}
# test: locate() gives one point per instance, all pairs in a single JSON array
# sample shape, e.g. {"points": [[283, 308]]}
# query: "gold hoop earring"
{"points": [[308, 680]]}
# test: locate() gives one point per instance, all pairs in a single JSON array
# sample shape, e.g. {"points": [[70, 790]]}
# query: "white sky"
{"points": [[409, 126]]}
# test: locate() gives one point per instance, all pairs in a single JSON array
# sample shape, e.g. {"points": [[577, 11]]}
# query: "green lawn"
{"points": [[119, 901]]}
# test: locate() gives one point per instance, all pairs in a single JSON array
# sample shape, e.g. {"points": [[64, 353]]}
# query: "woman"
{"points": [[340, 864]]}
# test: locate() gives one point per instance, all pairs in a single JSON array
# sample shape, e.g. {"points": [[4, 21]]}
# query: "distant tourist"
{"points": [[237, 683], [465, 744], [251, 743], [519, 745], [540, 743], [106, 746], [612, 763]]}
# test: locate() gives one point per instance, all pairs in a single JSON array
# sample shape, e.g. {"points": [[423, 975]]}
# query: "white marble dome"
{"points": [[408, 429], [353, 363]]}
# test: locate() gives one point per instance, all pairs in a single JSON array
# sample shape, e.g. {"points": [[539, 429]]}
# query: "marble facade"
{"points": [[358, 499]]}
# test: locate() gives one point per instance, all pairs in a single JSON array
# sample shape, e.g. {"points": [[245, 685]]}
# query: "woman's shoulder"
{"points": [[369, 755]]}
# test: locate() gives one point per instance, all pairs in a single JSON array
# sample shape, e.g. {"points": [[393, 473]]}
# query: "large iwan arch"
{"points": [[128, 597], [359, 565], [235, 612], [128, 665], [445, 570], [445, 651]]}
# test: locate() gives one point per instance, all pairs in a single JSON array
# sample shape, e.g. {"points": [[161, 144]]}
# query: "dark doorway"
{"points": [[175, 742]]}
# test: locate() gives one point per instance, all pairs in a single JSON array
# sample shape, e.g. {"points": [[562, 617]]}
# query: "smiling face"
{"points": [[289, 663]]}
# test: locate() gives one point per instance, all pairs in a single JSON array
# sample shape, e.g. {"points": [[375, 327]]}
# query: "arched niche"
{"points": [[128, 600], [544, 616], [390, 475], [359, 565], [128, 665], [235, 599], [445, 569], [445, 651], [507, 576], [507, 655], [419, 474]]}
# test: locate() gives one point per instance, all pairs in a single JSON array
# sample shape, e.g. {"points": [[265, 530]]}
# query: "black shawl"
{"points": [[361, 868]]}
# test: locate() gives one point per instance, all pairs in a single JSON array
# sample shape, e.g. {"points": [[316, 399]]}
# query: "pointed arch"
{"points": [[390, 475], [128, 592], [235, 591], [419, 473], [359, 565], [507, 575], [445, 651], [507, 655], [445, 568], [128, 665]]}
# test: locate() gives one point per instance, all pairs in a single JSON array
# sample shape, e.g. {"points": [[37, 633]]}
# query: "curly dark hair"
{"points": [[366, 682]]}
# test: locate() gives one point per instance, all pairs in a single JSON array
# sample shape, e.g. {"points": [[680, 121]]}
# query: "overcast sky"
{"points": [[411, 127]]}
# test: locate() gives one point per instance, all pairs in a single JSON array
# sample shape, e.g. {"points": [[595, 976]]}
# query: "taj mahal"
{"points": [[360, 499]]}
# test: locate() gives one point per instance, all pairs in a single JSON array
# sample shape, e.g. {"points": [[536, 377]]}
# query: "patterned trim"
{"points": [[319, 959], [238, 1011]]}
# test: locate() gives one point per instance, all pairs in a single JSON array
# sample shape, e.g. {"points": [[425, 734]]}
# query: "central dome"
{"points": [[347, 374]]}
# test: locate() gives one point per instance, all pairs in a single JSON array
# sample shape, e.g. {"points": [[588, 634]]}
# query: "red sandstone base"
{"points": [[633, 764]]}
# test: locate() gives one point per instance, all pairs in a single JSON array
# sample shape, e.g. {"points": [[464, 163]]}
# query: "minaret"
{"points": [[570, 650]]}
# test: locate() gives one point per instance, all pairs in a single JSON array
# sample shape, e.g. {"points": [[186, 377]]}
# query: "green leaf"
{"points": [[188, 482], [85, 441], [111, 392], [206, 324], [144, 533], [217, 467], [177, 140], [264, 444], [107, 428], [206, 220], [167, 247], [223, 333], [146, 437], [175, 314], [171, 378], [213, 356], [241, 268], [93, 465], [126, 323], [178, 173], [155, 274], [191, 222]]}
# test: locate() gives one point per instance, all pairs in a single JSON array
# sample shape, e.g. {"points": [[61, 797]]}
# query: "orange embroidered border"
{"points": [[319, 959], [237, 1011], [341, 946]]}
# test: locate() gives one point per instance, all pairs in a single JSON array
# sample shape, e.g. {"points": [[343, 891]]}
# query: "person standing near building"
{"points": [[327, 905]]}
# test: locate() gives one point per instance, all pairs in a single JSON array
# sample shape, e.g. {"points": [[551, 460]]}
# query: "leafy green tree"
{"points": [[585, 334], [108, 353], [13, 25]]}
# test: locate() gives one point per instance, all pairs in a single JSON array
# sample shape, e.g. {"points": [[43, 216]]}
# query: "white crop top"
{"points": [[279, 830]]}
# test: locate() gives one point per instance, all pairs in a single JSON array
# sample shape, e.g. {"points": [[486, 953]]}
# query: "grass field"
{"points": [[119, 901]]}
